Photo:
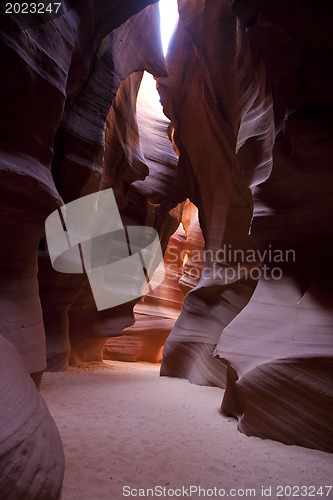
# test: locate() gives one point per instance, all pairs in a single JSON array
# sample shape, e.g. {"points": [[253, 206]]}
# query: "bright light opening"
{"points": [[148, 97], [169, 19]]}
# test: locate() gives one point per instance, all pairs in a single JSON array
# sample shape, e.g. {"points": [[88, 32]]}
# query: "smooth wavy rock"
{"points": [[140, 166], [32, 96], [74, 324], [220, 160], [55, 60], [155, 314], [193, 254], [279, 357], [32, 461], [143, 142], [83, 133], [200, 365], [21, 319], [278, 350]]}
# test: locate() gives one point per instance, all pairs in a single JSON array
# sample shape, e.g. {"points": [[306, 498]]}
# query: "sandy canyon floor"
{"points": [[129, 433]]}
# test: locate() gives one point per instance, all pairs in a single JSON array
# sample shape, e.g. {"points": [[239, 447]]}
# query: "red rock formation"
{"points": [[220, 160], [151, 202], [74, 322], [155, 314], [30, 115], [278, 353], [59, 62], [32, 461], [193, 253], [279, 348], [61, 77], [238, 71], [275, 355]]}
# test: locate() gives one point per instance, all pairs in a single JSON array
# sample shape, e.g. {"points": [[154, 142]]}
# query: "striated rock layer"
{"points": [[153, 201], [62, 75], [155, 314], [32, 461], [275, 354], [247, 88], [52, 142], [280, 382], [225, 144], [98, 146]]}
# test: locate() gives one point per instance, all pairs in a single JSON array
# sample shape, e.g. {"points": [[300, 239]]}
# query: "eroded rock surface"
{"points": [[248, 93], [285, 376], [275, 354], [32, 461], [225, 144], [52, 144], [62, 75], [93, 154], [155, 314], [153, 201]]}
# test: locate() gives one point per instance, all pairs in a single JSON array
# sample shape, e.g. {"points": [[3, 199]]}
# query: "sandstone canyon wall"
{"points": [[31, 454], [220, 161], [246, 86], [266, 71], [62, 75]]}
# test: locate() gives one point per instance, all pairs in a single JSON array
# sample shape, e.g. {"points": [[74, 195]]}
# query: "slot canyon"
{"points": [[231, 169]]}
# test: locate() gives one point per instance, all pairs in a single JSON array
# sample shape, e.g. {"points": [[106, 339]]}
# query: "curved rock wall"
{"points": [[31, 455], [225, 144], [152, 201], [98, 146], [52, 142], [279, 380], [247, 89], [275, 354], [155, 314], [61, 77]]}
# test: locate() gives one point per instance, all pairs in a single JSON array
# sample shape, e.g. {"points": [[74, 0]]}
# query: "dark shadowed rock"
{"points": [[32, 461]]}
